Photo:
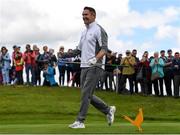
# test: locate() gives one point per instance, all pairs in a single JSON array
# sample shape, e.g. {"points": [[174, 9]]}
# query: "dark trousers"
{"points": [[69, 73], [46, 83], [135, 82], [123, 83], [149, 83], [176, 85], [118, 82], [19, 76], [76, 79], [109, 80], [61, 74], [37, 75], [168, 84], [144, 86], [29, 68], [158, 83]]}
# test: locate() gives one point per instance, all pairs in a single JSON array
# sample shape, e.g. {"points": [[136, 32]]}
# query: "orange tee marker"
{"points": [[138, 120]]}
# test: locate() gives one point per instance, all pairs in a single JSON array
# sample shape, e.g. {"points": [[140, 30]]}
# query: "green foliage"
{"points": [[51, 110]]}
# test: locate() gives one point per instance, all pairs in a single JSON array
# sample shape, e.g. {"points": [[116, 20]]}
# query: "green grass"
{"points": [[50, 110]]}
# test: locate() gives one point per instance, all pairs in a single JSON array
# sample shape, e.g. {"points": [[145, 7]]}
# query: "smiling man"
{"points": [[92, 47]]}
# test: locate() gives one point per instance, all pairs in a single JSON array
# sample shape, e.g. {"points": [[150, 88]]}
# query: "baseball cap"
{"points": [[128, 51]]}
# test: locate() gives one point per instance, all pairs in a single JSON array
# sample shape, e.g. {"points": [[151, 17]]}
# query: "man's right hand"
{"points": [[92, 61]]}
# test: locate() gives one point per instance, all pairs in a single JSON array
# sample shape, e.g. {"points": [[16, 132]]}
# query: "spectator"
{"points": [[176, 71], [6, 61], [144, 67], [12, 75], [162, 82], [109, 71], [15, 49], [61, 65], [113, 57], [157, 65], [37, 66], [53, 59], [41, 59], [29, 59], [48, 74], [135, 82], [127, 72], [19, 65], [13, 78], [118, 70], [1, 78], [168, 73], [45, 56], [69, 68], [76, 72]]}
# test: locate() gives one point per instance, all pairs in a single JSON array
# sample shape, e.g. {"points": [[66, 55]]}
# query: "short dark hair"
{"points": [[28, 45], [134, 50], [162, 51], [92, 10], [145, 51], [14, 46], [169, 50], [3, 48]]}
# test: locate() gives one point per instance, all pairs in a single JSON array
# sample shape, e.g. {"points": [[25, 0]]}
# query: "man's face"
{"points": [[128, 53], [27, 48], [134, 53], [88, 17], [162, 54], [45, 48], [177, 56], [61, 49], [169, 53]]}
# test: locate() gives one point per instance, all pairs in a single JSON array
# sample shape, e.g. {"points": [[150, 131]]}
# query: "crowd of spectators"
{"points": [[146, 75]]}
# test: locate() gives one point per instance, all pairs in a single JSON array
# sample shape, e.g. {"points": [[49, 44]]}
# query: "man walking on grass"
{"points": [[92, 47]]}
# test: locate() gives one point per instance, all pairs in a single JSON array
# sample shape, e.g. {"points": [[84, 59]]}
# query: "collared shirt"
{"points": [[93, 39]]}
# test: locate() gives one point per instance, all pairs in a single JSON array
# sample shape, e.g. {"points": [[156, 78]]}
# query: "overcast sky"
{"points": [[142, 24]]}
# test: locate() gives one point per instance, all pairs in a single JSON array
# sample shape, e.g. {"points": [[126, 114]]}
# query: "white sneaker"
{"points": [[77, 124], [110, 115]]}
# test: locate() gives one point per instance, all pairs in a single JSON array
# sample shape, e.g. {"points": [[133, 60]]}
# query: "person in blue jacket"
{"points": [[48, 74], [157, 65], [6, 61]]}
